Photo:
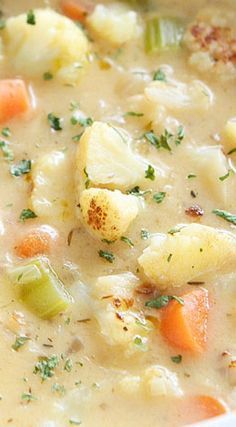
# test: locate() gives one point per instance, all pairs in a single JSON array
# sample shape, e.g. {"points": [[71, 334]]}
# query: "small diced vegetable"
{"points": [[40, 288], [162, 33], [36, 242], [14, 99], [77, 9], [201, 407], [185, 325], [107, 214]]}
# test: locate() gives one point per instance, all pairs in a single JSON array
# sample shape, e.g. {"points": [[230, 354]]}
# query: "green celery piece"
{"points": [[42, 291], [163, 33]]}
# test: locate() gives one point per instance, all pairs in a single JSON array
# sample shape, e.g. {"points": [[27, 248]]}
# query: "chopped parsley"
{"points": [[68, 365], [177, 359], [28, 397], [222, 178], [191, 175], [45, 367], [31, 20], [180, 135], [108, 242], [232, 151], [74, 422], [150, 173], [127, 240], [27, 214], [21, 168], [60, 389], [77, 138], [108, 256], [82, 121], [169, 257], [137, 192], [138, 341], [159, 197], [87, 181], [47, 76], [163, 300], [6, 132], [6, 151], [74, 105], [145, 235], [165, 139], [174, 230], [159, 75], [225, 215], [55, 122], [19, 342], [133, 114]]}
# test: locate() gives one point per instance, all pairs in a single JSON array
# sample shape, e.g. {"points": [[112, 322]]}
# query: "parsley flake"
{"points": [[27, 214], [225, 215], [28, 397], [30, 19], [137, 192], [145, 235], [6, 132], [133, 114], [222, 178], [177, 359], [21, 168], [19, 342], [45, 367], [6, 151], [163, 300], [47, 76], [68, 365], [108, 256], [127, 240], [159, 75], [150, 173], [159, 197], [55, 122], [180, 135], [74, 422], [232, 151]]}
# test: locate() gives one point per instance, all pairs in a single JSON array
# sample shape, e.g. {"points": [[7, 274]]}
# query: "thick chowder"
{"points": [[117, 212]]}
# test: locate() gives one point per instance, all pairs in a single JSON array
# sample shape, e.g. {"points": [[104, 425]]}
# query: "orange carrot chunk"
{"points": [[201, 407], [14, 99], [185, 326], [76, 9], [37, 242]]}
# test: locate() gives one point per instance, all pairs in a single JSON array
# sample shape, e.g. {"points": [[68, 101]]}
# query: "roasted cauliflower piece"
{"points": [[120, 323], [105, 159], [114, 23], [194, 251], [107, 214], [54, 44], [155, 381], [50, 197], [211, 40]]}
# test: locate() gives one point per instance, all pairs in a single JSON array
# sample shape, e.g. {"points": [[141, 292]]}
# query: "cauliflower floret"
{"points": [[155, 381], [105, 158], [107, 214], [229, 135], [196, 250], [120, 323], [175, 95], [50, 197], [212, 165], [53, 44], [115, 23], [211, 41]]}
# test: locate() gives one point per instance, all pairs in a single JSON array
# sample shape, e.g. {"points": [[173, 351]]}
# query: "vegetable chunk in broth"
{"points": [[117, 212]]}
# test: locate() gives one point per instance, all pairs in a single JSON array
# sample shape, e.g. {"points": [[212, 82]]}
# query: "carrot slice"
{"points": [[185, 326], [14, 99], [37, 242], [201, 407], [76, 9]]}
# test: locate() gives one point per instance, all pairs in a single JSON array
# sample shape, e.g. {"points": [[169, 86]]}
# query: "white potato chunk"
{"points": [[107, 214], [52, 195], [212, 165], [115, 23], [155, 381], [229, 135], [54, 44], [120, 323], [175, 95], [194, 251], [105, 155]]}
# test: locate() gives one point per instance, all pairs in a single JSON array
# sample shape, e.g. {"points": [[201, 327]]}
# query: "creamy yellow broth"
{"points": [[89, 390]]}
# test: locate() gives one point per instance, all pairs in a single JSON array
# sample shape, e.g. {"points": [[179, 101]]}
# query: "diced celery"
{"points": [[163, 33], [40, 288]]}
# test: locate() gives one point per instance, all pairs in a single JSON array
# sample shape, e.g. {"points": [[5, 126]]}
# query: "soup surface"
{"points": [[117, 212]]}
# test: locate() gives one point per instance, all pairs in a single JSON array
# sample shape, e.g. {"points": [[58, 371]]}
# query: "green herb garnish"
{"points": [[127, 240], [150, 173], [6, 151], [133, 114], [177, 359], [31, 20], [47, 76], [145, 235], [55, 122], [19, 342], [159, 197], [225, 215], [108, 256], [222, 178], [21, 168], [159, 75], [27, 214], [180, 135], [137, 192], [163, 300], [28, 397], [68, 365], [6, 132], [46, 366]]}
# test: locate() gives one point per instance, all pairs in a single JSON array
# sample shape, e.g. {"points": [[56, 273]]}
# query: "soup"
{"points": [[117, 212]]}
